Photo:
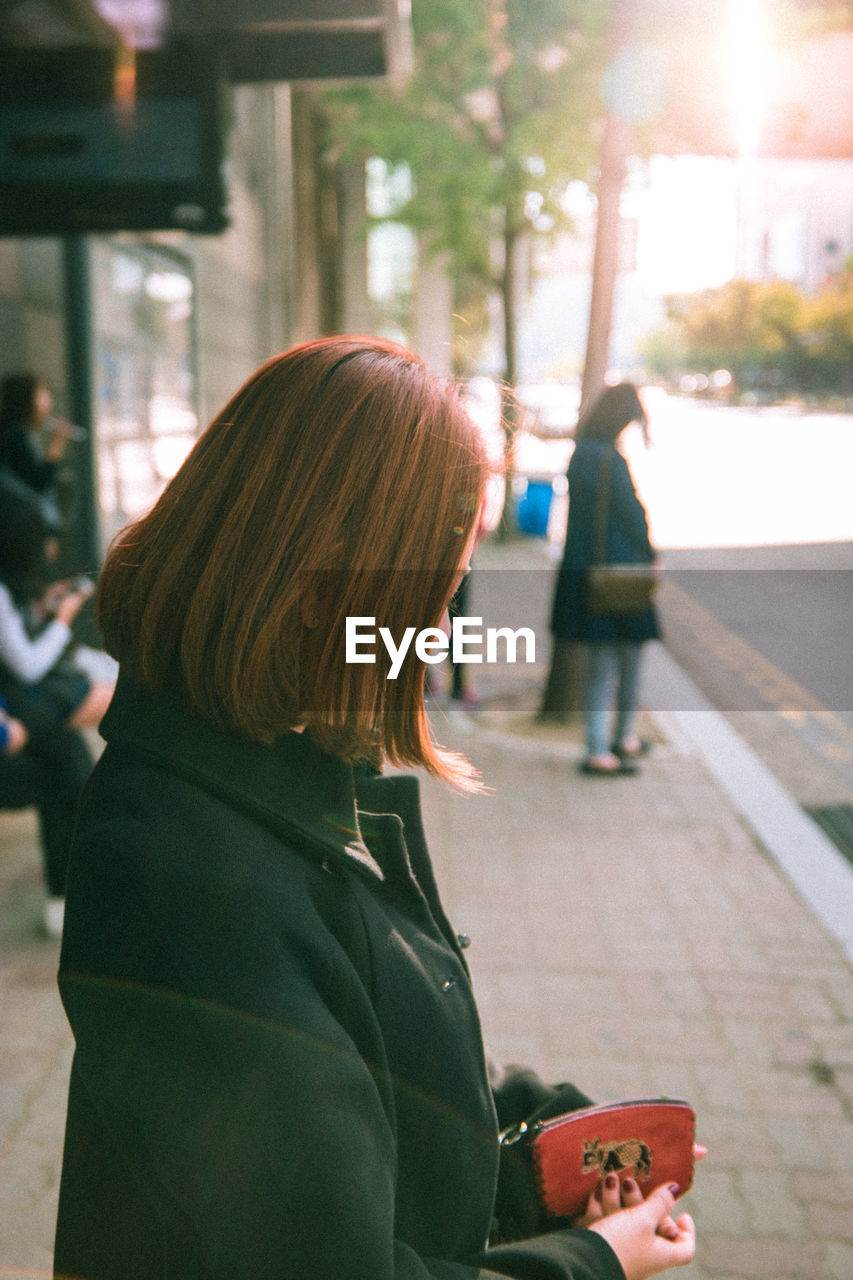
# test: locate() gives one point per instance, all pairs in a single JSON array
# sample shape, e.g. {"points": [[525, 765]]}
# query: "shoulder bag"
{"points": [[618, 589]]}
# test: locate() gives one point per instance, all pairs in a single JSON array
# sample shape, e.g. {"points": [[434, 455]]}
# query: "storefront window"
{"points": [[144, 377]]}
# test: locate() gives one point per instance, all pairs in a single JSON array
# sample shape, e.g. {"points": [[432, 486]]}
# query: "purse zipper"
{"points": [[516, 1132]]}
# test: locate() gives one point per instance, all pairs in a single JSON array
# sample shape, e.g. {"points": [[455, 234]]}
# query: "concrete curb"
{"points": [[805, 855]]}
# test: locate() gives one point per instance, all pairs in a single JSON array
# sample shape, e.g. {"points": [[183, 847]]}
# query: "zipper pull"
{"points": [[509, 1137]]}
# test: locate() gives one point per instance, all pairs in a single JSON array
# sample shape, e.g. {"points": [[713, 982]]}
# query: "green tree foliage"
{"points": [[828, 333], [794, 19], [494, 122], [770, 336]]}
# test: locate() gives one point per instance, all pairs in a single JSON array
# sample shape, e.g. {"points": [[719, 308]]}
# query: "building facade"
{"points": [[142, 337]]}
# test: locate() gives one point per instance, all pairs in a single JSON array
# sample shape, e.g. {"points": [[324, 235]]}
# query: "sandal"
{"points": [[591, 769], [642, 750]]}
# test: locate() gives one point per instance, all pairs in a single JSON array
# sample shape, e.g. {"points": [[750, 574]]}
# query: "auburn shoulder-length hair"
{"points": [[342, 480]]}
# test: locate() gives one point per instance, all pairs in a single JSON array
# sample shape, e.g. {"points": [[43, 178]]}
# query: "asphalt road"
{"points": [[773, 650], [793, 605]]}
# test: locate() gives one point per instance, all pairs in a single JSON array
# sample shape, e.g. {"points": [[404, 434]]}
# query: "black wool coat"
{"points": [[278, 1069], [626, 542]]}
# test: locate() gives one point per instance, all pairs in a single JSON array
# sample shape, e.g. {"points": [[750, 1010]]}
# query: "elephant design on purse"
{"points": [[615, 1157]]}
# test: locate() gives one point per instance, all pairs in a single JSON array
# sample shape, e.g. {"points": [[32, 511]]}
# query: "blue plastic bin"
{"points": [[534, 506]]}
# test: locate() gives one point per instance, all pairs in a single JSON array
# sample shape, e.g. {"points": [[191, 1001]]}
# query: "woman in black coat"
{"points": [[278, 1067], [614, 642], [26, 456]]}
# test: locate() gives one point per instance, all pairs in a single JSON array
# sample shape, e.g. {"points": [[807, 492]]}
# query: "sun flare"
{"points": [[747, 63]]}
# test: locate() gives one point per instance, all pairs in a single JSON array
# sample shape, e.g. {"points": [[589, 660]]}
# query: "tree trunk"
{"points": [[563, 695], [615, 149], [508, 526], [307, 289]]}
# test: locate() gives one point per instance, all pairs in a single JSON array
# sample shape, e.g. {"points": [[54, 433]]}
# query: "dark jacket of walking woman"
{"points": [[627, 530]]}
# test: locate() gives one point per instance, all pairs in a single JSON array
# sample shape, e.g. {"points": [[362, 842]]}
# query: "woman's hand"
{"points": [[60, 433], [65, 599], [611, 1195], [53, 595], [644, 1236], [609, 1211], [70, 605]]}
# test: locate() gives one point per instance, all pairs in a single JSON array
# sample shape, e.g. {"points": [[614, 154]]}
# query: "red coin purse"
{"points": [[649, 1139]]}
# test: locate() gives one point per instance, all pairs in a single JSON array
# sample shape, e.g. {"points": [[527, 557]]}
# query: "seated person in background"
{"points": [[46, 769], [37, 652], [51, 688], [32, 442]]}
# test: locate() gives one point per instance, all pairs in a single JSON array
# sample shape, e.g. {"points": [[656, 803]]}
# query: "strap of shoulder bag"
{"points": [[602, 509]]}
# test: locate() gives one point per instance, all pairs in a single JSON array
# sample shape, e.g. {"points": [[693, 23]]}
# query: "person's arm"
{"points": [[627, 513], [29, 660]]}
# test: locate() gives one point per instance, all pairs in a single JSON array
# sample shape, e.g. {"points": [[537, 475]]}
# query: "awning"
{"points": [[257, 40]]}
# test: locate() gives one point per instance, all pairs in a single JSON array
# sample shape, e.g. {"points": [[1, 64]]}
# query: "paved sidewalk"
{"points": [[630, 935], [35, 1057]]}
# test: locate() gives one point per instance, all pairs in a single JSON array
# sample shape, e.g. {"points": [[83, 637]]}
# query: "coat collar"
{"points": [[291, 786]]}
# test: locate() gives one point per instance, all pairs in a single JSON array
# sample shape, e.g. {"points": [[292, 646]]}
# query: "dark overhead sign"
{"points": [[89, 142]]}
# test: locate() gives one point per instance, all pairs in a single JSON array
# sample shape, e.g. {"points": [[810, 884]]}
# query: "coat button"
{"points": [[448, 984], [463, 940]]}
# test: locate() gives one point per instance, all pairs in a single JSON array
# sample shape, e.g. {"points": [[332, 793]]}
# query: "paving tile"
{"points": [[719, 1206], [764, 1258], [816, 1143], [770, 1203], [824, 1188], [839, 1260], [832, 1221]]}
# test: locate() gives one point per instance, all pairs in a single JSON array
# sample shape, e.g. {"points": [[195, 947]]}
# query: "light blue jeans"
{"points": [[612, 683]]}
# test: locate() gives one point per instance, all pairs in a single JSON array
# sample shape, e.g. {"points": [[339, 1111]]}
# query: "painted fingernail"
{"points": [[611, 1182], [629, 1184], [674, 1188]]}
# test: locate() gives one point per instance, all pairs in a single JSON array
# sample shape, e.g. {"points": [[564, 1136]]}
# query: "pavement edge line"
{"points": [[801, 850]]}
